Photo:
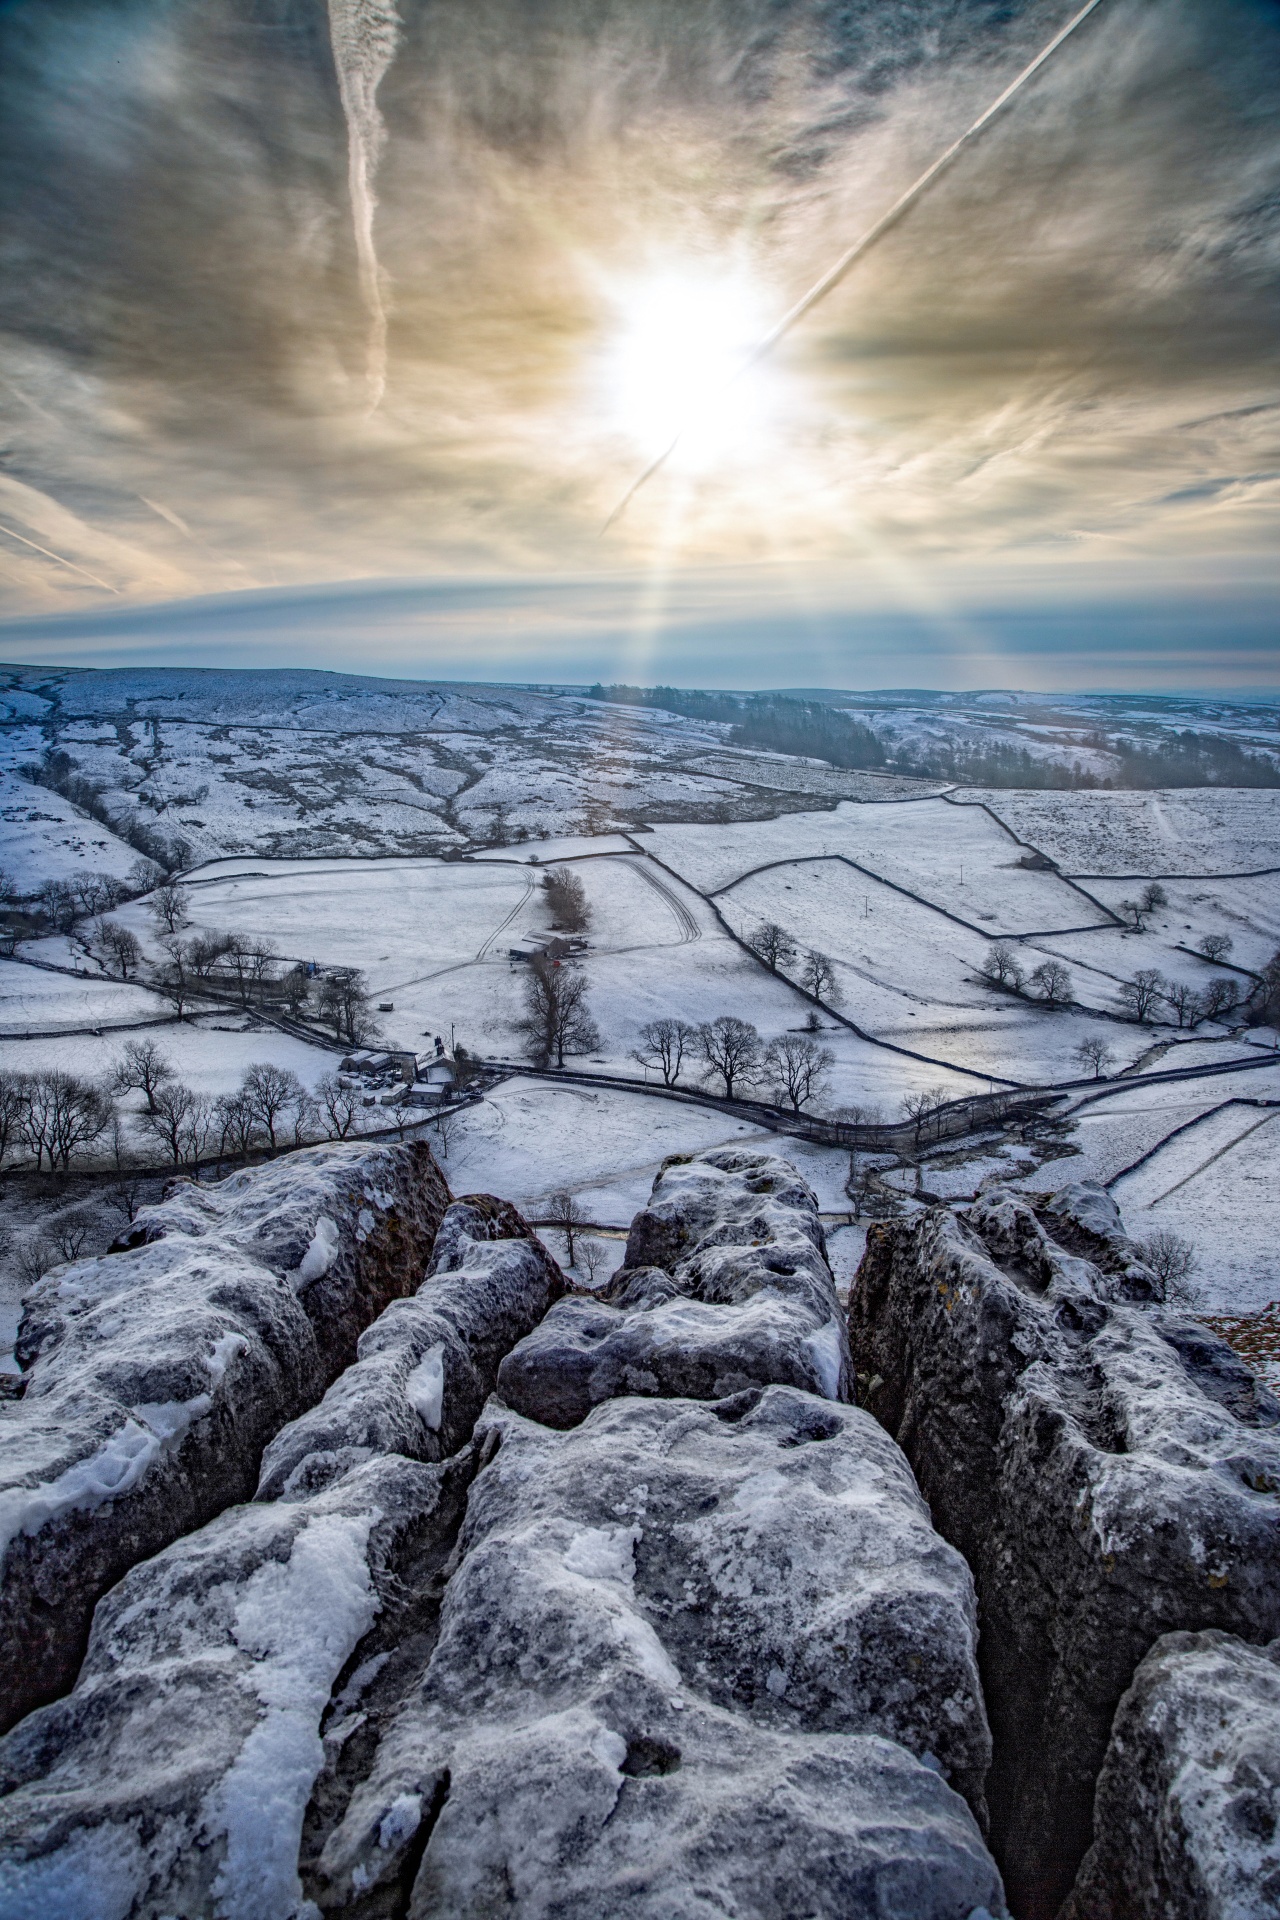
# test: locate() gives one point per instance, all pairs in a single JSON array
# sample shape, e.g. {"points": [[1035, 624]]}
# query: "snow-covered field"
{"points": [[402, 828], [1197, 830], [35, 1001]]}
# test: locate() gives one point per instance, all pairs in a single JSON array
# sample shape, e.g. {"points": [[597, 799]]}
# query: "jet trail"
{"points": [[836, 273], [364, 35], [62, 561]]}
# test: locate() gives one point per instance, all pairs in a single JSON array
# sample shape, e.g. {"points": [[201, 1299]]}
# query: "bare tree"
{"points": [[818, 977], [564, 1212], [340, 1107], [566, 899], [1219, 998], [61, 1114], [344, 1005], [1094, 1053], [772, 944], [173, 978], [297, 990], [204, 951], [59, 904], [70, 1233], [13, 1106], [142, 1068], [1153, 896], [730, 1048], [1185, 1002], [1140, 996], [1139, 911], [116, 946], [663, 1044], [260, 959], [921, 1107], [142, 876], [181, 1119], [1173, 1261], [556, 1018], [592, 1253], [1135, 913], [127, 1196], [239, 1130], [271, 1093], [1052, 981], [799, 1067], [169, 907], [1216, 946], [1000, 969]]}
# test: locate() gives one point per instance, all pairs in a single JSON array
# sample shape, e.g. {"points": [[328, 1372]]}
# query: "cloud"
{"points": [[1065, 358]]}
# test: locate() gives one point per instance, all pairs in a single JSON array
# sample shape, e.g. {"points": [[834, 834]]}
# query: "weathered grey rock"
{"points": [[427, 1365], [1101, 1467], [156, 1375], [175, 1777], [1187, 1817], [695, 1660], [351, 1225], [726, 1286], [1084, 1219]]}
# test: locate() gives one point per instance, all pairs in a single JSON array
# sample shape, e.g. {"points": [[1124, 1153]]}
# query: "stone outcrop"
{"points": [[426, 1366], [1187, 1817], [188, 1753], [725, 1286], [155, 1375], [693, 1659], [175, 1777], [1109, 1473]]}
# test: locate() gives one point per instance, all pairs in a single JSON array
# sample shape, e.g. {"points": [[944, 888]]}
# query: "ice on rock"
{"points": [[426, 1366], [175, 1777], [731, 1626], [1110, 1472], [726, 1286], [155, 1375]]}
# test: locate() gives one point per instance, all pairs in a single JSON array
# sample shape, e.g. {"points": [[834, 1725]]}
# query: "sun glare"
{"points": [[671, 370]]}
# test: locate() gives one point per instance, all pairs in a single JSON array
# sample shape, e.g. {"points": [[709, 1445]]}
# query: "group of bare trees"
{"points": [[1050, 982], [1148, 990], [730, 1050], [812, 970], [54, 1118]]}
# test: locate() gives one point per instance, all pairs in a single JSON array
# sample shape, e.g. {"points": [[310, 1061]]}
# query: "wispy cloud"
{"points": [[1065, 361]]}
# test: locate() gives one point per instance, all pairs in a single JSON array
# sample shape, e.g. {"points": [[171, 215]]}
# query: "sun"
{"points": [[675, 365]]}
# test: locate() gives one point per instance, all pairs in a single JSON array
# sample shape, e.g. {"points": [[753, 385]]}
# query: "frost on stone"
{"points": [[1106, 1470], [426, 1366], [725, 1286], [1187, 1816], [730, 1625], [156, 1374], [175, 1777]]}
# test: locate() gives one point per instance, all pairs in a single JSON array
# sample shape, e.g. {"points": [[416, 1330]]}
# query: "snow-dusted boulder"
{"points": [[1083, 1218], [351, 1225], [155, 1375], [175, 1777], [1102, 1467], [427, 1365], [1187, 1817], [725, 1286], [693, 1659]]}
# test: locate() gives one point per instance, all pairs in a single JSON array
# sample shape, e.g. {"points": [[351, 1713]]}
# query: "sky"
{"points": [[333, 335]]}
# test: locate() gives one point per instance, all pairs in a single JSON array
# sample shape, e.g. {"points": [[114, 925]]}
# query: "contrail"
{"points": [[364, 35], [50, 555], [836, 273]]}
